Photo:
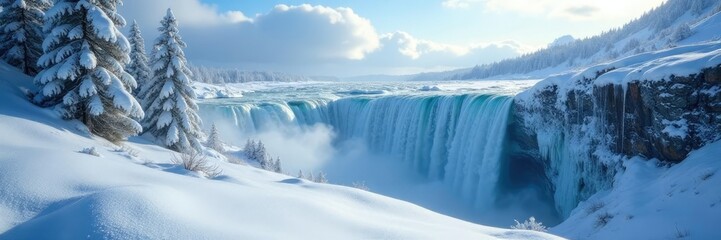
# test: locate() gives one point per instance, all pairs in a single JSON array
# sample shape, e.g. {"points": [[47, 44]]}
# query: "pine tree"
{"points": [[320, 178], [249, 149], [83, 73], [214, 141], [262, 157], [300, 174], [21, 33], [276, 166], [168, 98], [138, 66]]}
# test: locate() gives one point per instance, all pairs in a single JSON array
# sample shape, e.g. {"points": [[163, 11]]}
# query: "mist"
{"points": [[348, 162]]}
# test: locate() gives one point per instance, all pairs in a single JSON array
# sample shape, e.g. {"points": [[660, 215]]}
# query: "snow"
{"points": [[651, 201], [48, 189], [678, 128], [103, 26], [659, 65], [652, 66], [208, 91]]}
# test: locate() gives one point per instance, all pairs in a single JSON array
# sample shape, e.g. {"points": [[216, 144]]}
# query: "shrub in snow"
{"points": [[530, 224], [360, 185], [195, 161], [603, 219], [83, 73], [21, 34], [234, 159], [682, 233], [707, 174], [91, 151], [168, 98], [595, 206], [130, 151], [214, 141], [138, 66]]}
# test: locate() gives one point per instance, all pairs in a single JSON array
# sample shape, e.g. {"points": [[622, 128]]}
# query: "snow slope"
{"points": [[49, 190], [652, 201]]}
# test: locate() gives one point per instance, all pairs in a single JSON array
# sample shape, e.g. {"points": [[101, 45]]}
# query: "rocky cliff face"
{"points": [[582, 133]]}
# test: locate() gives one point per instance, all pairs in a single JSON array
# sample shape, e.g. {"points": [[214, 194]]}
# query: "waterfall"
{"points": [[458, 139]]}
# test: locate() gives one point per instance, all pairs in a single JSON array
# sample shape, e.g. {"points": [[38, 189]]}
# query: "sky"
{"points": [[366, 37]]}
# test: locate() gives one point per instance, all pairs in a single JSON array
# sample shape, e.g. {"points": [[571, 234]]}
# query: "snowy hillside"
{"points": [[49, 189], [675, 23], [653, 201]]}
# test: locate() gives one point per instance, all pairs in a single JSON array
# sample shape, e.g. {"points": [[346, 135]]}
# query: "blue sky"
{"points": [[429, 19], [332, 37]]}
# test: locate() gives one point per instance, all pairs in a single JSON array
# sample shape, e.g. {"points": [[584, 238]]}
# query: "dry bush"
{"points": [[130, 151], [595, 206], [603, 219], [197, 162]]}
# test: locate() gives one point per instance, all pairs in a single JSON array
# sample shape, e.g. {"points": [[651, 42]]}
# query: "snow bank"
{"points": [[209, 91], [48, 189]]}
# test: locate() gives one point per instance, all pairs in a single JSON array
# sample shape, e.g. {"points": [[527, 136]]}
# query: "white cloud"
{"points": [[306, 39], [404, 50], [285, 34]]}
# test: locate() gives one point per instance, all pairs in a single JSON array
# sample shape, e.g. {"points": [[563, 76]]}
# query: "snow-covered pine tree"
{"points": [[84, 55], [214, 141], [277, 166], [138, 66], [320, 178], [262, 157], [300, 174], [249, 149], [21, 33], [168, 99], [682, 32]]}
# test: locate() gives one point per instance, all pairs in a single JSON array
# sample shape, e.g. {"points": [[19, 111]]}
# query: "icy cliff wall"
{"points": [[581, 125]]}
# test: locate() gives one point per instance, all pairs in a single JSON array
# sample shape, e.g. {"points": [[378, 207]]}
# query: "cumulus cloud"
{"points": [[406, 51], [306, 39], [285, 34]]}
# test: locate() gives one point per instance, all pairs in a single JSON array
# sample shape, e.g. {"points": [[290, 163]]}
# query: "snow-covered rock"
{"points": [[582, 124]]}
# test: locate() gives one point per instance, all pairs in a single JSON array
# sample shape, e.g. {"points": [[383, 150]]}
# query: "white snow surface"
{"points": [[651, 66], [209, 91], [49, 189], [651, 201]]}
